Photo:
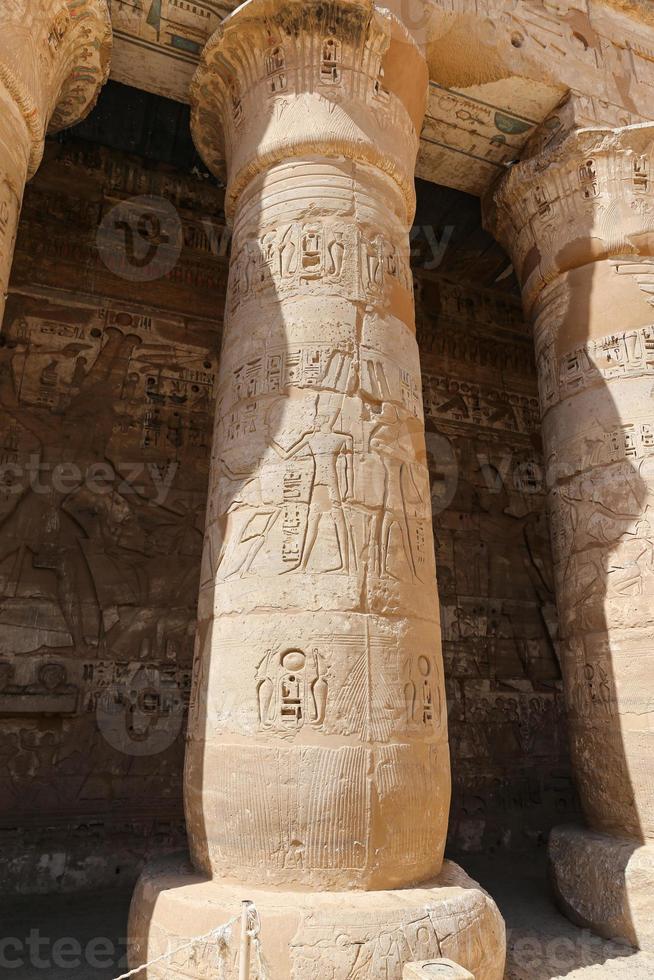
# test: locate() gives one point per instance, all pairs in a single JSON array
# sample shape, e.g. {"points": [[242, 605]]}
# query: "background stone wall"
{"points": [[99, 560], [107, 363], [506, 712]]}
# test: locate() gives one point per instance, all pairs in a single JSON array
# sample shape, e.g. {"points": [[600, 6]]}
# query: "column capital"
{"points": [[587, 196], [304, 78], [54, 58]]}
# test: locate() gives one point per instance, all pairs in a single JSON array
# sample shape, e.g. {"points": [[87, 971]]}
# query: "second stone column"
{"points": [[578, 219], [318, 764]]}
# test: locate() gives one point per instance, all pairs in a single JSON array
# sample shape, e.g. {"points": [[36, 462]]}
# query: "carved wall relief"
{"points": [[291, 690], [105, 430], [511, 776], [318, 573]]}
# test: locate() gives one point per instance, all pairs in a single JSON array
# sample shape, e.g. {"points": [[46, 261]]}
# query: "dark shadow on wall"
{"points": [[508, 739], [105, 413]]}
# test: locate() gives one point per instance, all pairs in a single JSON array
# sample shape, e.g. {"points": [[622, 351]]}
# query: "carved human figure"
{"points": [[386, 440], [287, 250], [327, 448]]}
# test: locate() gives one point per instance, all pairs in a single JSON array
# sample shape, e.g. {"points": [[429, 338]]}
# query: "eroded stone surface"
{"points": [[320, 661]]}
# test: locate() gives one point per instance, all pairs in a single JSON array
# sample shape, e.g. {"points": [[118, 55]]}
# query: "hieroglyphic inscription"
{"points": [[595, 363], [291, 690], [301, 256]]}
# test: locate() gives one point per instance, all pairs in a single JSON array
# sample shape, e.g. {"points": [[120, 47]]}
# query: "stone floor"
{"points": [[542, 944], [82, 937]]}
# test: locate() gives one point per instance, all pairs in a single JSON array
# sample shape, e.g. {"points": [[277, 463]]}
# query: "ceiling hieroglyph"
{"points": [[498, 68]]}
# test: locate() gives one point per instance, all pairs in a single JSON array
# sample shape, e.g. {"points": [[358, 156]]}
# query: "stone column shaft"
{"points": [[317, 770], [54, 57], [322, 755], [579, 221]]}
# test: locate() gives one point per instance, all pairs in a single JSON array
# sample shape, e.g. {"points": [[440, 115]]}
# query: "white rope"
{"points": [[221, 934], [254, 930]]}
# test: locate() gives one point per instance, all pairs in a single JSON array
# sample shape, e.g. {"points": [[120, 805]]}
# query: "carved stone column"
{"points": [[578, 219], [317, 779], [54, 57]]}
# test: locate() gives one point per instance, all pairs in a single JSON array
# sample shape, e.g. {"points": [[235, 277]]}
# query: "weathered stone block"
{"points": [[605, 883]]}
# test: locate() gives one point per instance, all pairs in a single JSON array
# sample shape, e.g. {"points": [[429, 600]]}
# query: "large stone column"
{"points": [[54, 57], [317, 778], [578, 219]]}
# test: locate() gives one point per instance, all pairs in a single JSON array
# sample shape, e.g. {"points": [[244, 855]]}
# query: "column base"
{"points": [[315, 935], [605, 883]]}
